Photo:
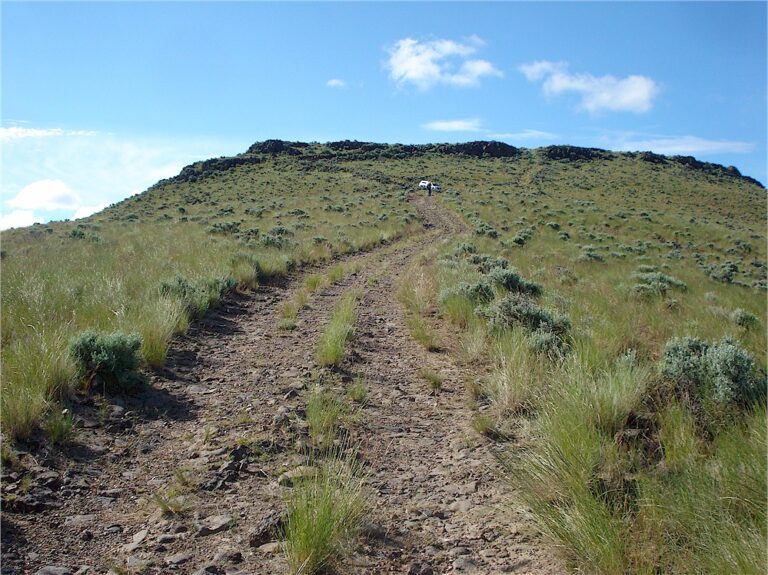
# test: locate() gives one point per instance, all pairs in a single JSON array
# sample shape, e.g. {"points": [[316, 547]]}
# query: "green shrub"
{"points": [[486, 263], [465, 248], [522, 237], [744, 319], [723, 372], [107, 360], [724, 272], [511, 280], [588, 254], [546, 343], [519, 309], [653, 283], [478, 292]]}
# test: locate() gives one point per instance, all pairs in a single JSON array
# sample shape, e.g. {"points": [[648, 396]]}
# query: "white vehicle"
{"points": [[436, 187], [424, 184]]}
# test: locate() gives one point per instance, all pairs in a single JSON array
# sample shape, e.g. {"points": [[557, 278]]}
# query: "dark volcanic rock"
{"points": [[575, 153]]}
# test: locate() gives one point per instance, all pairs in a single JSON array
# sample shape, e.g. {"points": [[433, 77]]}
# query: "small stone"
{"points": [[54, 570], [86, 535], [135, 562], [281, 417], [167, 538], [79, 520], [460, 551], [266, 529], [178, 558], [270, 548], [461, 506], [214, 524], [464, 564], [210, 569], [417, 568], [289, 478], [228, 555]]}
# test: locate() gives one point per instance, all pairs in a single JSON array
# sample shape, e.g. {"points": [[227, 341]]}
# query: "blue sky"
{"points": [[100, 100]]}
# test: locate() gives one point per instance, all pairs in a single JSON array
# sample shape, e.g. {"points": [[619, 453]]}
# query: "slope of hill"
{"points": [[607, 309]]}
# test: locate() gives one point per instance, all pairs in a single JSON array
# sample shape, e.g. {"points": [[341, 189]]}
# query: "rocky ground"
{"points": [[190, 475]]}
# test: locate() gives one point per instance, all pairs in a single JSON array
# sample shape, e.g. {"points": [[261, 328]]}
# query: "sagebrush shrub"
{"points": [[465, 248], [107, 360], [724, 272], [194, 298], [546, 343], [486, 263], [744, 319], [478, 293], [723, 372], [519, 309], [510, 279]]}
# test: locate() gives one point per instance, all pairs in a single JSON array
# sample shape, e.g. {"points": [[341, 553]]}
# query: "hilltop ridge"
{"points": [[352, 150]]}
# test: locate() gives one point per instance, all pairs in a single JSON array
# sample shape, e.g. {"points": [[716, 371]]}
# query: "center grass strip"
{"points": [[333, 341], [325, 512]]}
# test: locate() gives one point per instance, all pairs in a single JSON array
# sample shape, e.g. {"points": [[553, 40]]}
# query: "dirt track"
{"points": [[437, 504]]}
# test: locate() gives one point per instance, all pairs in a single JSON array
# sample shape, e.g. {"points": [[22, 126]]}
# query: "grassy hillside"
{"points": [[612, 304], [150, 263]]}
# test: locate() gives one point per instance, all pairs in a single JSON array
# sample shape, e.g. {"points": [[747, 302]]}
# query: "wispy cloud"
{"points": [[336, 83], [9, 134], [683, 145], [524, 135], [468, 125], [426, 64], [598, 93]]}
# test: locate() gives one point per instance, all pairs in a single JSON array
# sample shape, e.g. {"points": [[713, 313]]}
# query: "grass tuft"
{"points": [[332, 343], [325, 512]]}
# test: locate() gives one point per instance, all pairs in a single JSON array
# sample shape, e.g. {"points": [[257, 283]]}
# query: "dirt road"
{"points": [[234, 386]]}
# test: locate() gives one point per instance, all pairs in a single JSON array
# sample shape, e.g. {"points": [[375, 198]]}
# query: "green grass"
{"points": [[358, 391], [314, 282], [331, 345], [423, 333], [290, 309], [325, 513], [60, 428], [209, 230], [335, 274], [617, 472], [434, 379], [324, 417]]}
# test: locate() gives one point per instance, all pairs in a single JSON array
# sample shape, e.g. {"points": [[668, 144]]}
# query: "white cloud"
{"points": [[468, 125], [525, 135], [12, 133], [685, 145], [336, 83], [631, 94], [426, 64], [85, 211], [18, 219], [536, 71], [69, 174], [45, 195]]}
